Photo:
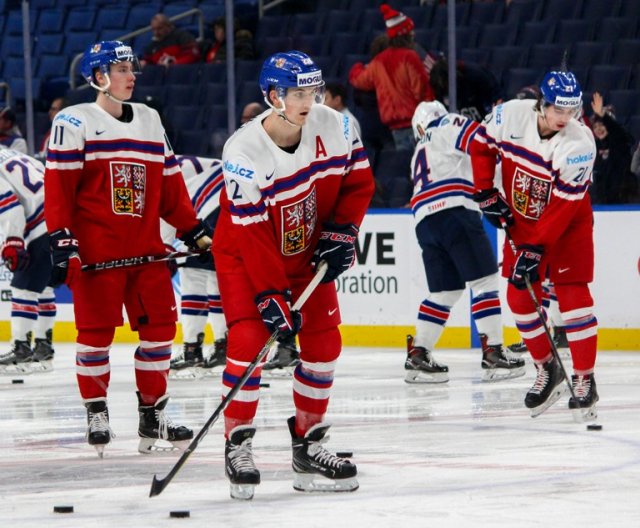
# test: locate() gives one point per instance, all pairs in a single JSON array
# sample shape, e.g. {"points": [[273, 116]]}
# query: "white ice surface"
{"points": [[465, 453]]}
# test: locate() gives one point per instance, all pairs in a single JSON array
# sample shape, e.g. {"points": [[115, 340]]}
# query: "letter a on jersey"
{"points": [[321, 151]]}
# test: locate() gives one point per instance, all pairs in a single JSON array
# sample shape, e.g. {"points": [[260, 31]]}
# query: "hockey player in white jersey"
{"points": [[199, 292], [25, 252], [456, 251], [547, 158], [297, 186]]}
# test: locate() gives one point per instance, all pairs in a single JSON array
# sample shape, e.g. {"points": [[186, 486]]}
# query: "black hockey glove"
{"points": [[494, 207], [337, 247], [14, 254], [66, 260], [275, 309], [198, 238], [527, 261]]}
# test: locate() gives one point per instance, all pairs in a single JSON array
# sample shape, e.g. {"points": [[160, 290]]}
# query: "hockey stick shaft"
{"points": [[540, 313], [129, 262], [158, 485]]}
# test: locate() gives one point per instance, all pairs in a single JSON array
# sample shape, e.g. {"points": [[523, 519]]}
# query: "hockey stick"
{"points": [[129, 262], [159, 484], [536, 304]]}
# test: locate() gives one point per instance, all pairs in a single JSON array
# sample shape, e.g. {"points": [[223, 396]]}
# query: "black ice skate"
{"points": [[314, 468], [43, 353], [217, 360], [99, 433], [517, 348], [18, 360], [561, 342], [238, 463], [584, 404], [284, 361], [421, 367], [547, 388], [496, 365], [185, 366], [155, 425]]}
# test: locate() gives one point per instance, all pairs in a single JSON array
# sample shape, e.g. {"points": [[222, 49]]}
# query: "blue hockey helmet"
{"points": [[102, 54], [561, 89], [424, 114], [291, 69]]}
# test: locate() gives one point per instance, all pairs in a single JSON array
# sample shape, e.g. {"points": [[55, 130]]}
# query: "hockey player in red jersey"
{"points": [[110, 176], [297, 186], [547, 161]]}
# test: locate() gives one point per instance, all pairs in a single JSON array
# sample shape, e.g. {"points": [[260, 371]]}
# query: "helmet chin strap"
{"points": [[280, 112], [105, 89]]}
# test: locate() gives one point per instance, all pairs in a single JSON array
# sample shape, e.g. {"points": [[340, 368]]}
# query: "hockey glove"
{"points": [[527, 261], [494, 207], [66, 260], [14, 254], [275, 309], [337, 247], [198, 238]]}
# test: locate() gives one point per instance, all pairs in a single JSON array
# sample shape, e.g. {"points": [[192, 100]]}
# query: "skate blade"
{"points": [[586, 414], [418, 376], [241, 491], [20, 369], [499, 374], [100, 450], [187, 374], [312, 483], [157, 446], [213, 372], [42, 366], [278, 373], [553, 398]]}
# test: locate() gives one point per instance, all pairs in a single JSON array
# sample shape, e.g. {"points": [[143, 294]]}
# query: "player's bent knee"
{"points": [[96, 337], [165, 332]]}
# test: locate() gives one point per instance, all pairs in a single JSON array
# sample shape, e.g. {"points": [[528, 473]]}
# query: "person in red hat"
{"points": [[398, 77]]}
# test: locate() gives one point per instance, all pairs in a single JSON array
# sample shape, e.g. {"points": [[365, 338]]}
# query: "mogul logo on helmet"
{"points": [[567, 102], [124, 52], [309, 78]]}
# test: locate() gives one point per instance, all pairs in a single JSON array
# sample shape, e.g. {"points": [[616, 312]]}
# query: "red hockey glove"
{"points": [[494, 207], [275, 310], [337, 247], [14, 254], [66, 260], [527, 261]]}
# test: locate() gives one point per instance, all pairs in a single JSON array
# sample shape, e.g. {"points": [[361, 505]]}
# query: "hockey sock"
{"points": [[151, 361], [432, 316], [305, 421], [528, 321], [93, 370], [216, 317], [485, 308], [554, 309], [193, 316], [46, 313], [24, 313]]}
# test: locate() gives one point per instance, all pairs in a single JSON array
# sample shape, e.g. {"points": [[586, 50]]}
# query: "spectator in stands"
{"points": [[217, 50], [250, 111], [398, 77], [10, 135], [56, 105], [335, 96], [169, 44], [613, 181], [478, 90]]}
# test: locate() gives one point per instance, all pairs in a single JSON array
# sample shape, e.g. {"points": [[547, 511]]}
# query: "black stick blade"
{"points": [[157, 485]]}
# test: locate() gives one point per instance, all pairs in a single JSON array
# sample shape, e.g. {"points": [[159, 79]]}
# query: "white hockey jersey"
{"points": [[21, 196], [441, 167], [545, 180], [204, 180]]}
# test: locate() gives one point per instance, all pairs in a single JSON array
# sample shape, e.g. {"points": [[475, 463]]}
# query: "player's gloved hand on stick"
{"points": [[64, 254], [494, 207], [198, 238], [275, 309], [172, 264], [337, 247], [527, 261], [14, 254]]}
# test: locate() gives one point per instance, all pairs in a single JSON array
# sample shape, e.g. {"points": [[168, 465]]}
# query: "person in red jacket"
{"points": [[169, 44], [398, 77]]}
